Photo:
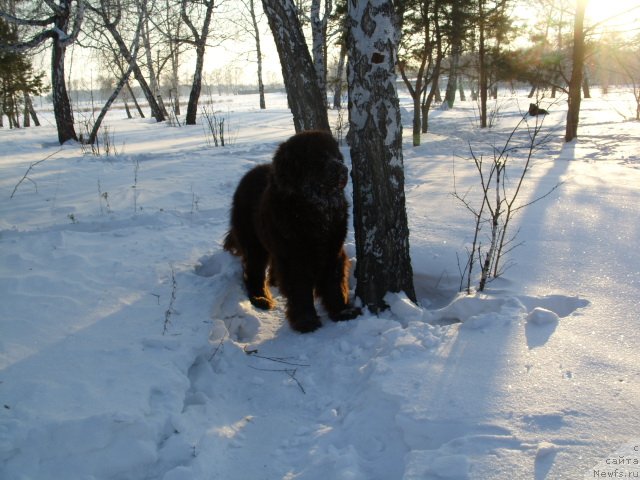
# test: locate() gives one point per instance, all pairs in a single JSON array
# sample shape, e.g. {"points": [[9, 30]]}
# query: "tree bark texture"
{"points": [[375, 137], [300, 79]]}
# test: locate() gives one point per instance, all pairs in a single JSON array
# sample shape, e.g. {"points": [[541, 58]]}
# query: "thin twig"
{"points": [[220, 345], [254, 353], [170, 311], [291, 372], [26, 175]]}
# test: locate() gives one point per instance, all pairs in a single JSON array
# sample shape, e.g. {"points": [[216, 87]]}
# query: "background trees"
{"points": [[111, 18], [18, 81], [421, 56], [306, 99], [446, 44], [434, 44], [249, 23], [60, 22]]}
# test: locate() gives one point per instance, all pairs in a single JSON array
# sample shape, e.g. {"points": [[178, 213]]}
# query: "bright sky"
{"points": [[624, 15], [619, 15]]}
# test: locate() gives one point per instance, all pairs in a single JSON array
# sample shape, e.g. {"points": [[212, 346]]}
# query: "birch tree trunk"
{"points": [[575, 84], [256, 30], [175, 79], [318, 40], [300, 79], [375, 137], [146, 42]]}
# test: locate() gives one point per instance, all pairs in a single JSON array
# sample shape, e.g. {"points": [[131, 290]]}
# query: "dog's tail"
{"points": [[230, 243]]}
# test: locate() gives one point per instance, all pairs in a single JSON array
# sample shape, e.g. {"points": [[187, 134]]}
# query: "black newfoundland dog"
{"points": [[291, 215], [535, 110]]}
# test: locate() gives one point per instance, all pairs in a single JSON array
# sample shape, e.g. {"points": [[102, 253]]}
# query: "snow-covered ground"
{"points": [[129, 351]]}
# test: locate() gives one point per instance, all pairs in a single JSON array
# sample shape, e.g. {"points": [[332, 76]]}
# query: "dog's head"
{"points": [[310, 163]]}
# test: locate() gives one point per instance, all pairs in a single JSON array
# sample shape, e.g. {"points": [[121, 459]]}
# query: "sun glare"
{"points": [[622, 16]]}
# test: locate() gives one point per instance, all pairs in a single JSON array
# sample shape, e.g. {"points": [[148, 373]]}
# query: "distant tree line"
{"points": [[467, 44]]}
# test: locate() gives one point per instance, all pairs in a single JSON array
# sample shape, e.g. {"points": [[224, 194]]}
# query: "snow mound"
{"points": [[542, 316]]}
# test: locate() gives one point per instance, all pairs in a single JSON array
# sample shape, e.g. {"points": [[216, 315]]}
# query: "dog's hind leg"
{"points": [[255, 260]]}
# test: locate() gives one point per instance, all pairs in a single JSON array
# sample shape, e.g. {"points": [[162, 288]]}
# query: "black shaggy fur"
{"points": [[535, 110], [291, 215]]}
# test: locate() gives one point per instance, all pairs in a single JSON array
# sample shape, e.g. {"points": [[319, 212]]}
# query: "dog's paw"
{"points": [[348, 313], [263, 303], [305, 324]]}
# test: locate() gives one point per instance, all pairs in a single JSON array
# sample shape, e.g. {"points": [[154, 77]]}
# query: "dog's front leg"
{"points": [[298, 290]]}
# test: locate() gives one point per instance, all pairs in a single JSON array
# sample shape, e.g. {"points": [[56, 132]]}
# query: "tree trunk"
{"points": [[463, 97], [337, 93], [196, 88], [586, 90], [575, 84], [61, 104], [112, 98], [156, 109], [175, 80], [318, 36], [434, 91], [416, 92], [26, 121], [484, 79], [256, 30], [146, 42], [452, 82], [375, 134], [126, 109], [32, 111], [457, 35], [200, 41], [135, 100], [300, 79], [431, 96]]}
